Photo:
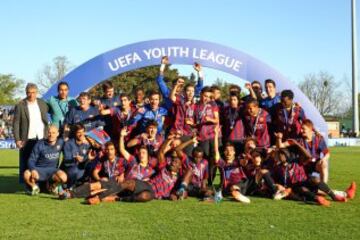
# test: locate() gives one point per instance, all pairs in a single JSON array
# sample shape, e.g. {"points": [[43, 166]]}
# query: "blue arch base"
{"points": [[182, 51]]}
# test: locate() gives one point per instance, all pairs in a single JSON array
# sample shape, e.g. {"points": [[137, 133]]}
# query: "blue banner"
{"points": [[7, 144], [182, 51]]}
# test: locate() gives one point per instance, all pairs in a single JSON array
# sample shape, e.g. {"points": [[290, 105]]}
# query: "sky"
{"points": [[295, 37]]}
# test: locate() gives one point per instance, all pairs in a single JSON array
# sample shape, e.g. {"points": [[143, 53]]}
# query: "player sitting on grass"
{"points": [[258, 179], [232, 174], [76, 156], [44, 161], [138, 167], [160, 186], [290, 172], [110, 166], [151, 139], [194, 181]]}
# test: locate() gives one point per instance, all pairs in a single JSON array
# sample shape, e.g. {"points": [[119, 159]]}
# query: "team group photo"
{"points": [[180, 137]]}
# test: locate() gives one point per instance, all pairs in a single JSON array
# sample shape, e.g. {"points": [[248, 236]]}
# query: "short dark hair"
{"points": [[189, 85], [229, 144], [215, 87], [107, 144], [62, 84], [84, 94], [256, 82], [308, 123], [250, 139], [198, 149], [154, 92], [151, 123], [267, 81], [252, 101], [78, 127], [107, 85], [206, 89], [234, 88], [139, 89], [124, 95], [287, 93], [255, 153], [235, 94]]}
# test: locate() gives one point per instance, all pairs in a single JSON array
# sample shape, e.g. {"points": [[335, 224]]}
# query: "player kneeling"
{"points": [[195, 179], [43, 163], [290, 172], [160, 186]]}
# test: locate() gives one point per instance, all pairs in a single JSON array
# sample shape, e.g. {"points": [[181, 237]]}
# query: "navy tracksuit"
{"points": [[44, 158], [75, 170]]}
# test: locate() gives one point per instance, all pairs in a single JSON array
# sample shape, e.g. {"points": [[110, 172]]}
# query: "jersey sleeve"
{"points": [[323, 147], [165, 91]]}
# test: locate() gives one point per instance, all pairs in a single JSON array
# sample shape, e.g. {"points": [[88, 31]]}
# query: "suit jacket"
{"points": [[21, 119]]}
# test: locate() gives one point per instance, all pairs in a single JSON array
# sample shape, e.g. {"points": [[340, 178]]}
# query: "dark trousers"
{"points": [[24, 154], [209, 152]]}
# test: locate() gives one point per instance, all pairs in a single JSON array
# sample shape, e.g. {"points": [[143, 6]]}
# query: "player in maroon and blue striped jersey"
{"points": [[315, 144], [206, 119], [233, 178], [151, 139], [110, 166], [138, 167], [289, 172], [256, 122], [194, 180], [120, 116], [232, 123], [288, 116], [183, 108]]}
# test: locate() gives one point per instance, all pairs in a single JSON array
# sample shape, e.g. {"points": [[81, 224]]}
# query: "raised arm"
{"points": [[216, 144], [183, 145], [122, 149], [163, 150], [200, 83], [214, 120], [135, 141], [304, 153], [174, 90], [160, 79], [252, 93]]}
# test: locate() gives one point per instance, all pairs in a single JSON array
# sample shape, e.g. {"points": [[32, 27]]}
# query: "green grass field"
{"points": [[45, 217]]}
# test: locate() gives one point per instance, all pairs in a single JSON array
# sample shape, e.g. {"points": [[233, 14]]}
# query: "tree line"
{"points": [[329, 95]]}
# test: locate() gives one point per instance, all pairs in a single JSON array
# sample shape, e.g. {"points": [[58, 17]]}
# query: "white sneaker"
{"points": [[241, 198], [279, 195], [35, 190]]}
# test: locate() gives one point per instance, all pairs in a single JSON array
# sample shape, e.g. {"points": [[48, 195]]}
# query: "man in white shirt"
{"points": [[30, 124]]}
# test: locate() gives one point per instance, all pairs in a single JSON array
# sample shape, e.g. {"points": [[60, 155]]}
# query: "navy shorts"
{"points": [[195, 191], [45, 173], [141, 186]]}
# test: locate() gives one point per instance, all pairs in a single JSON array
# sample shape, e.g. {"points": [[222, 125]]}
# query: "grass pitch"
{"points": [[44, 217]]}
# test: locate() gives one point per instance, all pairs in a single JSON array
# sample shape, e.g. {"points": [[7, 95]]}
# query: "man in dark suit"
{"points": [[30, 124]]}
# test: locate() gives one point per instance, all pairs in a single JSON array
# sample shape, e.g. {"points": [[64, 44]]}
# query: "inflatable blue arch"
{"points": [[186, 52]]}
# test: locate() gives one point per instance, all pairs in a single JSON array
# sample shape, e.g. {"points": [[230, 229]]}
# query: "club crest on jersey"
{"points": [[58, 147]]}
